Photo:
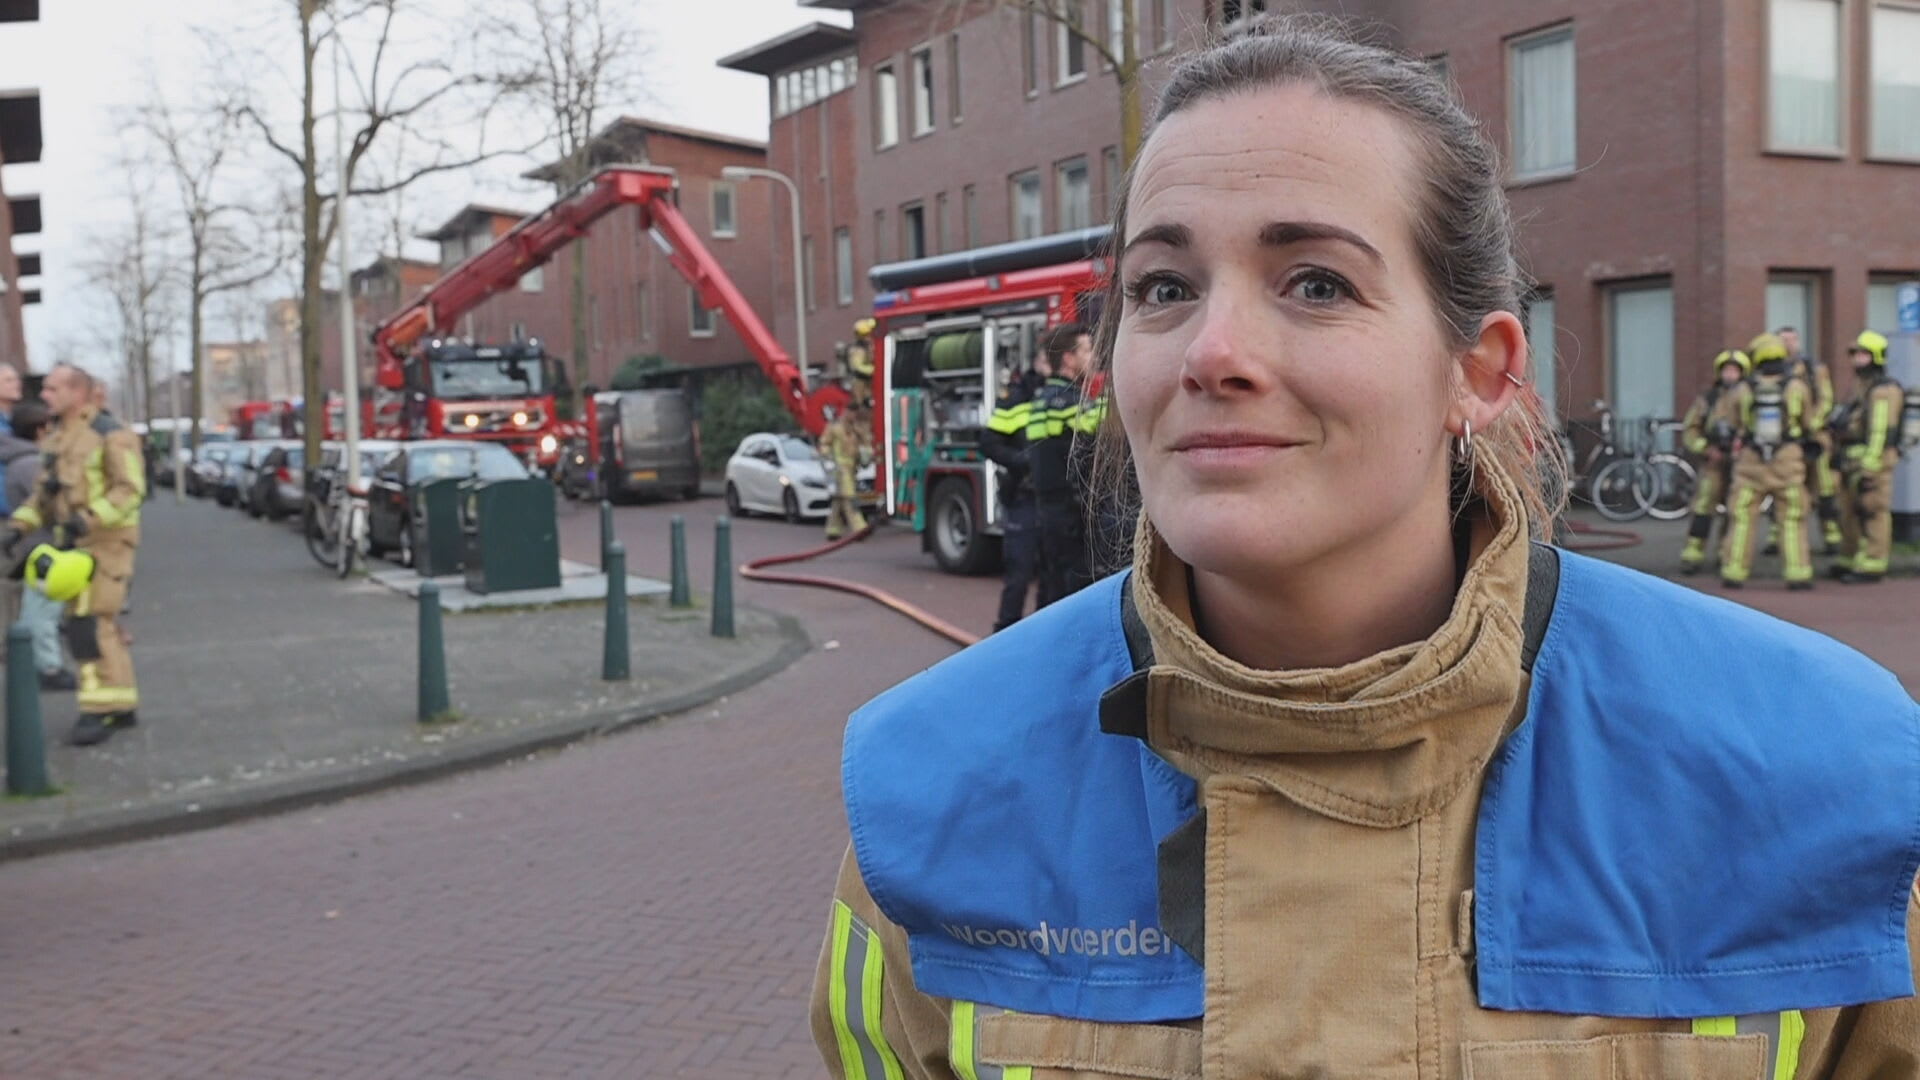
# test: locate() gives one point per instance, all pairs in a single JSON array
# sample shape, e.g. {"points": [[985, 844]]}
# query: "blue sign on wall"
{"points": [[1907, 300]]}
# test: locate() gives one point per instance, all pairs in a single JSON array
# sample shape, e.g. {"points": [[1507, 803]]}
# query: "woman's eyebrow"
{"points": [[1283, 233], [1174, 236]]}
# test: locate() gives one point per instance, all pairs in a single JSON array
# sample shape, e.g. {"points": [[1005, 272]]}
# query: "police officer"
{"points": [[90, 494], [1768, 416], [1822, 480], [1868, 430], [1730, 367], [1053, 419], [1004, 442], [860, 361], [843, 444]]}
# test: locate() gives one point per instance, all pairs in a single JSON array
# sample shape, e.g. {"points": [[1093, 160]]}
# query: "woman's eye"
{"points": [[1320, 287], [1158, 289]]}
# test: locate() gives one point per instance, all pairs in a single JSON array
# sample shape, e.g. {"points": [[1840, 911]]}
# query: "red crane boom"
{"points": [[531, 243]]}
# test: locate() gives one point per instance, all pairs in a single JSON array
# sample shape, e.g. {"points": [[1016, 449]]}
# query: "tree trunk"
{"points": [[1130, 118], [312, 255], [197, 302]]}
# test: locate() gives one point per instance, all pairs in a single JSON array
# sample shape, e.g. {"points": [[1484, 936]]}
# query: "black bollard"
{"points": [[606, 530], [682, 587], [614, 665], [26, 739], [723, 577], [434, 703]]}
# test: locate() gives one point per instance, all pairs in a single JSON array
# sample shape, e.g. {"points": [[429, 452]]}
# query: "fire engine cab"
{"points": [[494, 393]]}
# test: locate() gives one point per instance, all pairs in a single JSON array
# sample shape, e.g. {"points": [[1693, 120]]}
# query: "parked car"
{"points": [[164, 441], [279, 483], [647, 445], [778, 474], [390, 524], [251, 468], [317, 483], [209, 465]]}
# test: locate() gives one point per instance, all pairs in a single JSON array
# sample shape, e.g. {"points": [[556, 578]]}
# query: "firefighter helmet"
{"points": [[61, 575], [1766, 348], [863, 327], [1734, 356], [1872, 343]]}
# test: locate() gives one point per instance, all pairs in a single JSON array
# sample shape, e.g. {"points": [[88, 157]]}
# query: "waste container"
{"points": [[437, 546], [511, 540]]}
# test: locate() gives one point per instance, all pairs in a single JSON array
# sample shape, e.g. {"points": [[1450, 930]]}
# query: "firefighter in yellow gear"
{"points": [[89, 494], [1868, 430], [844, 445], [1715, 465], [1767, 416], [1822, 475], [860, 361]]}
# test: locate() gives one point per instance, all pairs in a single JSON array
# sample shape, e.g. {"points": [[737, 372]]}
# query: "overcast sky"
{"points": [[87, 57]]}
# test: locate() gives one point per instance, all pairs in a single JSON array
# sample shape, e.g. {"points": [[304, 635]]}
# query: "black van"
{"points": [[645, 444]]}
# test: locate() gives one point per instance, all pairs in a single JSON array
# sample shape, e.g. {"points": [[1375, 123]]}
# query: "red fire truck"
{"points": [[263, 420], [954, 330], [432, 386]]}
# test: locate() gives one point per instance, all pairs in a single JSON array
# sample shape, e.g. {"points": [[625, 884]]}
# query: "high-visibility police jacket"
{"points": [[1055, 415], [1545, 843], [94, 469]]}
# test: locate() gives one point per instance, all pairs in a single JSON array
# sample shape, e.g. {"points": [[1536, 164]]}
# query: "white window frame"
{"points": [[907, 212], [1612, 292], [1063, 39], [1030, 53], [732, 193], [1874, 150], [1514, 47], [1842, 98], [1061, 170], [1813, 325], [843, 266], [1014, 186], [1162, 32], [954, 113], [886, 106], [920, 90], [696, 313], [1116, 25]]}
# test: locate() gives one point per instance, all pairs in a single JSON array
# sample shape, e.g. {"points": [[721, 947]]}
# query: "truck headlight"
{"points": [[548, 444], [519, 419], [473, 420]]}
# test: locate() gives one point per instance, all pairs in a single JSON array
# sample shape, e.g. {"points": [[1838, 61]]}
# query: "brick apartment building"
{"points": [[637, 304], [1686, 174], [19, 215]]}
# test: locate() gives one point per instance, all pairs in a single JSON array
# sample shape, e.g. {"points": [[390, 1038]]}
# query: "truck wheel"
{"points": [[954, 531]]}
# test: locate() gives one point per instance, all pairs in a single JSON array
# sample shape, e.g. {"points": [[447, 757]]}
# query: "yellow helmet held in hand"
{"points": [[61, 575], [863, 327], [1733, 356], [1872, 343], [1766, 348]]}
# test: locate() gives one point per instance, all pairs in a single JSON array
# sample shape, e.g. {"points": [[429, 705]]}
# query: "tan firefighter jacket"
{"points": [[95, 471]]}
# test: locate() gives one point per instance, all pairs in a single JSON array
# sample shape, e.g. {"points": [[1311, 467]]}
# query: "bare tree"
{"points": [[133, 266], [1106, 30], [572, 62], [385, 93], [230, 244]]}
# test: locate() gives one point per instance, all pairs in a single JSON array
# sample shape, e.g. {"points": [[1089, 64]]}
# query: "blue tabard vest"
{"points": [[1706, 812]]}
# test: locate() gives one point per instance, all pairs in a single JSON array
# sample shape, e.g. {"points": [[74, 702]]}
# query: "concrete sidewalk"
{"points": [[268, 684]]}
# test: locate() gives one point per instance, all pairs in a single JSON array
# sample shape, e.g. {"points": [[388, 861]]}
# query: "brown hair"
{"points": [[1060, 341], [1462, 228]]}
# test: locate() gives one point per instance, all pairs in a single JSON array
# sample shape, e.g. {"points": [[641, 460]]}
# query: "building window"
{"points": [[886, 107], [1028, 217], [953, 78], [1161, 26], [806, 273], [780, 96], [1896, 82], [1070, 49], [843, 266], [1073, 195], [700, 322], [1232, 11], [941, 238], [969, 217], [1117, 28], [1640, 348], [836, 76], [534, 280], [1803, 64], [913, 231], [1029, 59], [1794, 300], [1883, 301], [518, 333], [923, 91], [1540, 341], [1540, 114], [879, 237], [1110, 173], [723, 223]]}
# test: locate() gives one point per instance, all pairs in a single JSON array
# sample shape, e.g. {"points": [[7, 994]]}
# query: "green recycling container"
{"points": [[512, 542], [437, 543]]}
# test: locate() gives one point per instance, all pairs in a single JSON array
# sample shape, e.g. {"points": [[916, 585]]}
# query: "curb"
{"points": [[173, 816]]}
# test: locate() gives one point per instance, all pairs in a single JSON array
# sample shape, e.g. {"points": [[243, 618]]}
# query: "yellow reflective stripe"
{"points": [[107, 514], [29, 517], [122, 696], [1876, 437], [1786, 1032], [853, 1000], [961, 1054], [1010, 420], [136, 467]]}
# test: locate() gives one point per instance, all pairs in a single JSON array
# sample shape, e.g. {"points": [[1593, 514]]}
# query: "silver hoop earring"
{"points": [[1463, 444], [1514, 379]]}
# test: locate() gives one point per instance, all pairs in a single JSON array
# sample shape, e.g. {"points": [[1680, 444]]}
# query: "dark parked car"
{"points": [[248, 469], [390, 502], [209, 465], [278, 483]]}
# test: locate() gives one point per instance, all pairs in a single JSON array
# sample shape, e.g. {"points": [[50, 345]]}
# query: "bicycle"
{"points": [[336, 527], [1615, 497], [1648, 482]]}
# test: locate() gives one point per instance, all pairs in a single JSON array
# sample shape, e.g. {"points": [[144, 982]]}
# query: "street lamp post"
{"points": [[349, 362], [743, 172]]}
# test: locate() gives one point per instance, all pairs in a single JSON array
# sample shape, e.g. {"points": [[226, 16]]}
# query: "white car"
{"points": [[778, 474]]}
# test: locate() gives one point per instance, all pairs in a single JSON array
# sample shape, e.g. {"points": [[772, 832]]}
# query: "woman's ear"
{"points": [[1492, 371]]}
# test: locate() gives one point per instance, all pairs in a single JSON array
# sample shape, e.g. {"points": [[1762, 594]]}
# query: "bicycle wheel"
{"points": [[1674, 481], [346, 540], [316, 523], [1623, 490]]}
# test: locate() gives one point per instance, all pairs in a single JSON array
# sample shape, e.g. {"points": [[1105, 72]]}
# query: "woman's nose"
{"points": [[1226, 357]]}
